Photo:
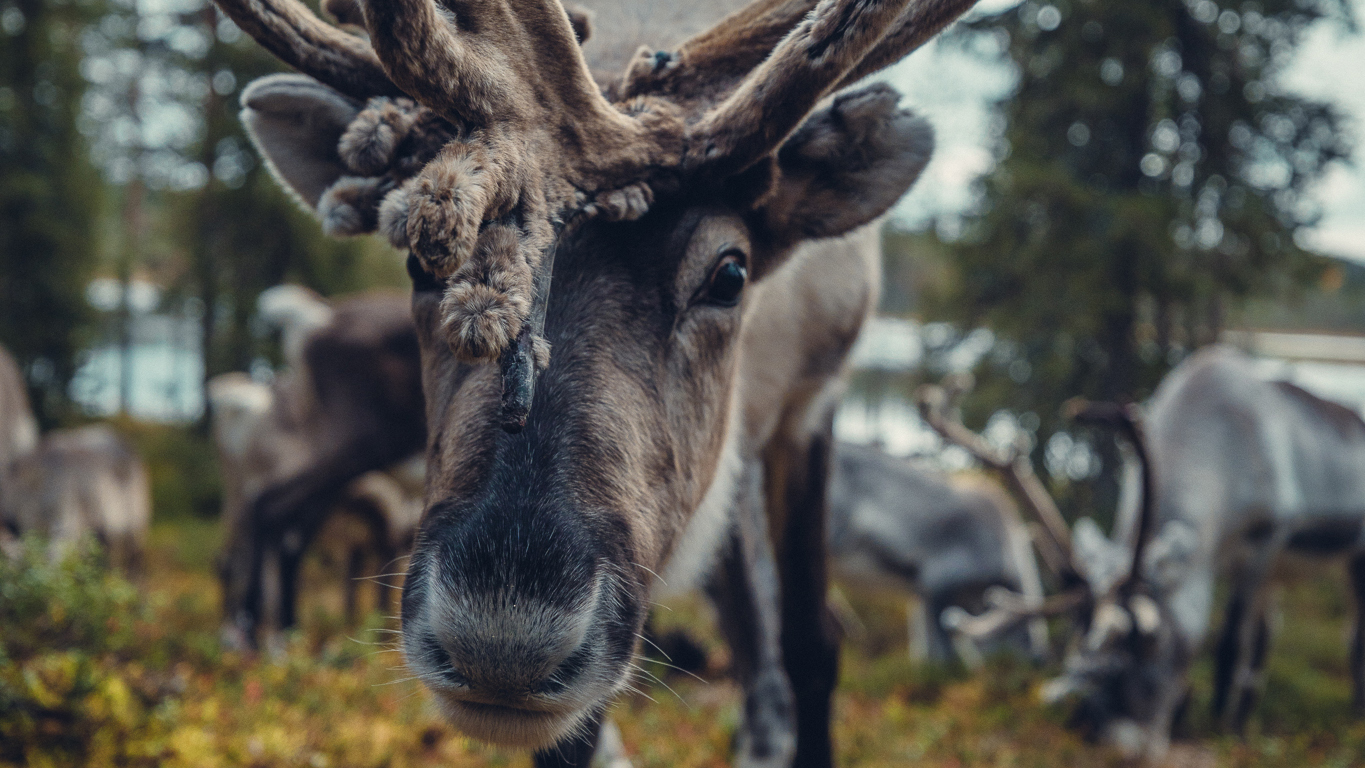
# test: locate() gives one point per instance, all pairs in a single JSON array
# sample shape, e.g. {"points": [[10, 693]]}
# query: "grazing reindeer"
{"points": [[948, 540], [663, 412], [83, 482], [351, 404], [258, 441], [1239, 470]]}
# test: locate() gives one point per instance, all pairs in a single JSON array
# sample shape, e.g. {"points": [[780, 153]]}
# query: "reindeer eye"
{"points": [[727, 279]]}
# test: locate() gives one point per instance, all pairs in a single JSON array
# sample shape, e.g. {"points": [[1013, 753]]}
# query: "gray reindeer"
{"points": [[1235, 472], [947, 539]]}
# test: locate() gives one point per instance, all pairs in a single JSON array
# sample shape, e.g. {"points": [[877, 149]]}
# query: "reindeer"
{"points": [[349, 405], [661, 414], [71, 483], [256, 444], [1239, 471], [18, 435], [83, 482], [947, 539], [18, 427]]}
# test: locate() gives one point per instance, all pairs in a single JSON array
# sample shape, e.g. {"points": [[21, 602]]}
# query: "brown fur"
{"points": [[351, 404], [261, 435], [679, 407]]}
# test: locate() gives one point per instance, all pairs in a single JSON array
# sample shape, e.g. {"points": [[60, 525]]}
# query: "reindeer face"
{"points": [[1127, 676], [532, 570], [530, 581], [1129, 673]]}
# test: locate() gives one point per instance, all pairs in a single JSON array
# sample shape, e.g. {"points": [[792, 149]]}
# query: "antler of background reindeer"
{"points": [[1005, 608], [486, 137]]}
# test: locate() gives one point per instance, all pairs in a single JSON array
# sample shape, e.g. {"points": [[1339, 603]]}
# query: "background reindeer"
{"points": [[18, 433], [653, 413], [70, 483], [947, 539], [1245, 470], [1239, 470], [258, 441], [350, 404], [83, 482]]}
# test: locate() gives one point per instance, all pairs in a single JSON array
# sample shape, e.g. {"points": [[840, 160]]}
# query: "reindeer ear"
{"points": [[1167, 558], [295, 122], [847, 165]]}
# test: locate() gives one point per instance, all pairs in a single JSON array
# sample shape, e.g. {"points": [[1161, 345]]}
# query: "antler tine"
{"points": [[712, 62], [1014, 464], [1006, 610], [492, 59], [1128, 420], [763, 110], [289, 30], [920, 22]]}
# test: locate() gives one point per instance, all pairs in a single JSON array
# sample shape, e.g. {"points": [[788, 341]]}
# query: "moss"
{"points": [[100, 672]]}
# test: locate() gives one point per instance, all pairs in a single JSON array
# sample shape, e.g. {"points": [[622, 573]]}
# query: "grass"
{"points": [[98, 672]]}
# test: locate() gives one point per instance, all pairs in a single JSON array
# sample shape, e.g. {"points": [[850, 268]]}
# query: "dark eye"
{"points": [[727, 279]]}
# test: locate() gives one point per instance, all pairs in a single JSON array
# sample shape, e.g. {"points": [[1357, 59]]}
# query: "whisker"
{"points": [[661, 682], [656, 646], [651, 570], [684, 671]]}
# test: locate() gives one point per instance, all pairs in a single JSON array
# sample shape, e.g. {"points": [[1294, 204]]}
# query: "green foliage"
{"points": [[71, 602], [96, 672], [64, 697], [1151, 178], [49, 194]]}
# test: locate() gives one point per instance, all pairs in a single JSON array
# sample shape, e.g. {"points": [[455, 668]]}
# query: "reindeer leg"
{"points": [[1244, 640], [942, 648], [798, 478], [286, 515], [744, 589], [1226, 654], [1357, 570], [1255, 677]]}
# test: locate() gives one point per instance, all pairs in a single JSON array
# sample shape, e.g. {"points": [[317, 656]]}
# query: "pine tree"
{"points": [[49, 194], [1151, 177]]}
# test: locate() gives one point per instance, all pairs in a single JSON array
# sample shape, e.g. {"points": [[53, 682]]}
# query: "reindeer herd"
{"points": [[633, 298]]}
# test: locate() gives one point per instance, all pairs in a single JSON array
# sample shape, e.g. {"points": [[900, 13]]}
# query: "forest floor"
{"points": [[94, 671]]}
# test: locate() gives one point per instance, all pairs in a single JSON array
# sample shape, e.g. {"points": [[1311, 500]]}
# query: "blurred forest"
{"points": [[121, 157], [1149, 182]]}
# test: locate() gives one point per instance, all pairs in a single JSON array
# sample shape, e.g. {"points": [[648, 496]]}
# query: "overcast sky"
{"points": [[954, 90]]}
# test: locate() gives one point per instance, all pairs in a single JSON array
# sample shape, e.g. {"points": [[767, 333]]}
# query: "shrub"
{"points": [[67, 694]]}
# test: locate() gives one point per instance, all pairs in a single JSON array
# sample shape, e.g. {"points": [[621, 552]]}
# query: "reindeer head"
{"points": [[574, 432], [1126, 671]]}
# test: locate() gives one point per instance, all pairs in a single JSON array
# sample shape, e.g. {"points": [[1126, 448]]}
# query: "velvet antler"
{"points": [[515, 141]]}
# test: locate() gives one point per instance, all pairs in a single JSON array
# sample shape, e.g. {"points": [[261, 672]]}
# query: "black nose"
{"points": [[509, 605]]}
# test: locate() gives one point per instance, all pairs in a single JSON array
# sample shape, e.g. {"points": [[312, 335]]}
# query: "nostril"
{"points": [[566, 673], [438, 660]]}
